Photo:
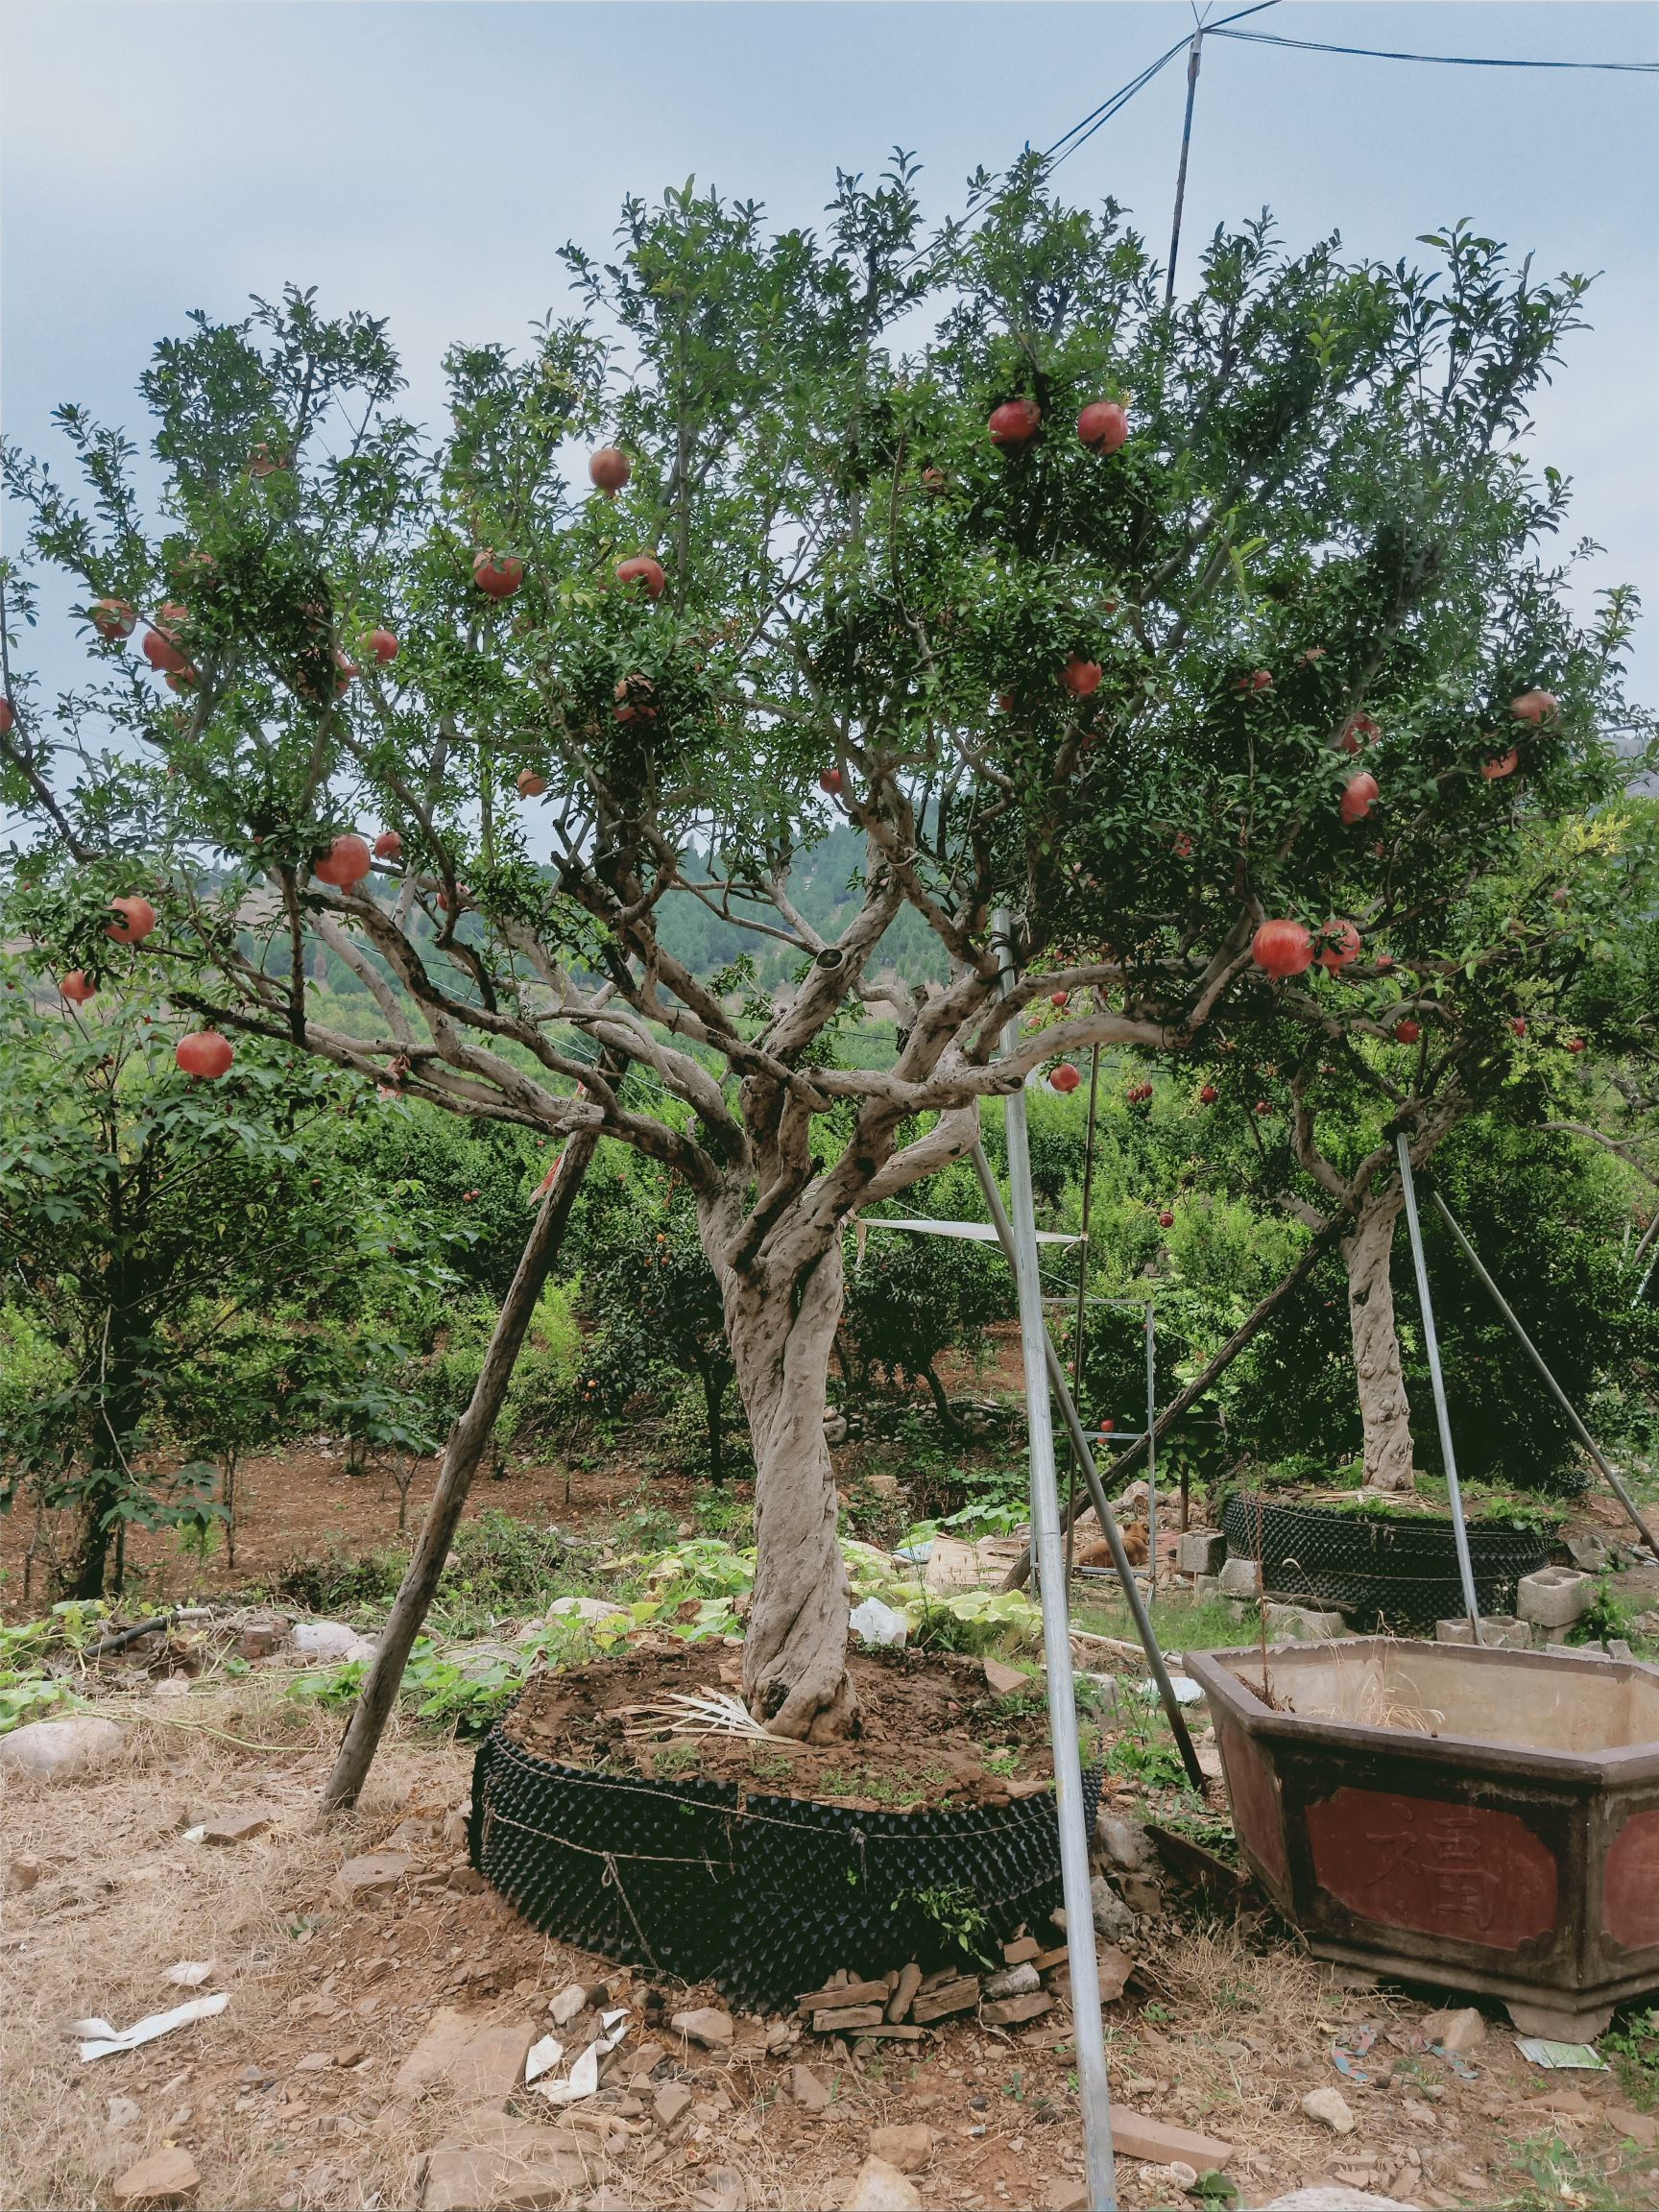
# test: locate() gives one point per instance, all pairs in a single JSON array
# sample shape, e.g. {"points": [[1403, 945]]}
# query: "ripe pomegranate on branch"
{"points": [[838, 572]]}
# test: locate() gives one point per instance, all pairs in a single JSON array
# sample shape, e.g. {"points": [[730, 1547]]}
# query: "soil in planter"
{"points": [[932, 1733]]}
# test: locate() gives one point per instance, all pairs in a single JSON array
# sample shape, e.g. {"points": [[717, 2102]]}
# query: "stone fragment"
{"points": [[1499, 1632], [1022, 1947], [1589, 1553], [121, 2113], [165, 2177], [1641, 2126], [903, 1993], [1125, 1843], [1114, 1921], [846, 1992], [314, 2063], [325, 1640], [877, 2187], [1462, 2030], [1200, 1551], [23, 1872], [1135, 2136], [1330, 2108], [1010, 2011], [843, 2019], [724, 2190], [498, 2162], [480, 2058], [567, 2004], [238, 1827], [961, 1995], [909, 2149], [707, 2025], [883, 1485], [808, 2089], [670, 2102], [1066, 2195], [260, 1635], [1007, 1681], [1555, 1597], [375, 1874], [1239, 1578], [1013, 1982], [58, 1750]]}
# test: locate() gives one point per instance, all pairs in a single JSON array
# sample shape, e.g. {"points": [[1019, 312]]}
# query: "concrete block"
{"points": [[1555, 1597], [1302, 1624], [1205, 1587], [1240, 1579], [1499, 1632], [1200, 1551]]}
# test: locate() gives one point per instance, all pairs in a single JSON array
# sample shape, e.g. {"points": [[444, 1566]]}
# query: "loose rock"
{"points": [[23, 1872], [808, 2089], [673, 2100], [237, 1827], [909, 2149], [877, 2187], [57, 1750], [1125, 1843], [375, 1874], [1114, 1921], [323, 1639], [1329, 2107], [500, 2161], [567, 2004], [166, 2177], [707, 2026], [121, 2113], [1460, 2029], [1013, 1982]]}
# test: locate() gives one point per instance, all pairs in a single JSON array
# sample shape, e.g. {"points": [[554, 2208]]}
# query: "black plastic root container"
{"points": [[765, 1898], [1400, 1571]]}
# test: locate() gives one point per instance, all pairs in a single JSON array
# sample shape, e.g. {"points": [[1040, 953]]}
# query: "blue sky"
{"points": [[426, 162]]}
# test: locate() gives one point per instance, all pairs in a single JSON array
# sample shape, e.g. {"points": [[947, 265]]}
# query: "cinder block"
{"points": [[1240, 1579], [1201, 1551], [1555, 1597], [1499, 1632], [1300, 1624]]}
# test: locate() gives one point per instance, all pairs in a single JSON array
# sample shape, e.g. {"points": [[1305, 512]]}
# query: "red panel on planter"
{"points": [[1444, 1869], [1630, 1883], [1257, 1812]]}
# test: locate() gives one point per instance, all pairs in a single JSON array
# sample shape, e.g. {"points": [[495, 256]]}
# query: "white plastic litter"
{"points": [[103, 2040], [880, 1624], [189, 1973], [582, 2078], [542, 2057], [1541, 2052]]}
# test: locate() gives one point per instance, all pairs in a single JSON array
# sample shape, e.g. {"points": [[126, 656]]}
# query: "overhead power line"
{"points": [[1445, 60]]}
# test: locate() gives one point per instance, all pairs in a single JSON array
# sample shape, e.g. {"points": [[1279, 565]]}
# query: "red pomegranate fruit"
{"points": [[138, 919], [1358, 730], [1059, 998], [832, 780], [529, 784], [1065, 1077], [1574, 1044], [1519, 1024], [1536, 707], [1165, 1219], [1359, 794], [1080, 676], [345, 864], [162, 647], [645, 569], [1256, 684], [499, 575], [112, 619], [1208, 1095], [1281, 948], [77, 987], [383, 645], [1505, 765], [8, 717], [1408, 1033], [610, 469], [1015, 424], [1340, 946], [1103, 426], [204, 1054], [388, 846]]}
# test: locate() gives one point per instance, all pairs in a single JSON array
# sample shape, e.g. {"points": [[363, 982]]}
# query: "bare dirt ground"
{"points": [[290, 2099]]}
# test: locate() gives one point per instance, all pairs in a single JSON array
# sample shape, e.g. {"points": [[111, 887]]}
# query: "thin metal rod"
{"points": [[1101, 1503], [1642, 1241], [1082, 1304], [1431, 1345], [1087, 2034], [1537, 1358], [1194, 54], [1151, 1454]]}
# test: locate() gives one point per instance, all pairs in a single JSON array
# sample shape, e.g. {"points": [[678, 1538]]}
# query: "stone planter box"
{"points": [[1474, 1818]]}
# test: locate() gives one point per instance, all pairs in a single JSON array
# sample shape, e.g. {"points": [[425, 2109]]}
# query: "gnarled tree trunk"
{"points": [[795, 1649], [1384, 1409]]}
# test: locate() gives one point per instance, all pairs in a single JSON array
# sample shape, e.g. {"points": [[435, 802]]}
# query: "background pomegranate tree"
{"points": [[1078, 606]]}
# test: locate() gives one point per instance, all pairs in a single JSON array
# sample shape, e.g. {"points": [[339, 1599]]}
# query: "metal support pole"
{"points": [[1431, 1345], [1088, 2035], [1151, 1453], [1082, 1302], [1556, 1390], [1101, 1503]]}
